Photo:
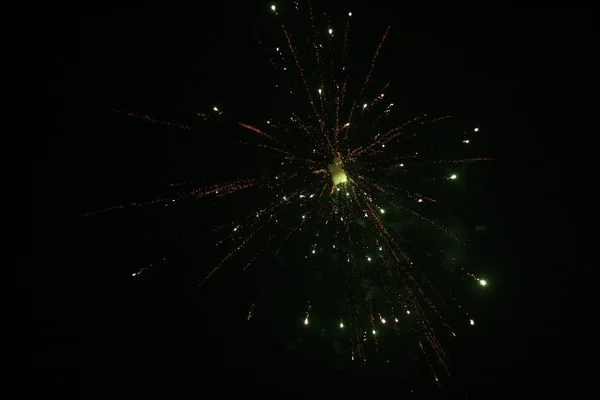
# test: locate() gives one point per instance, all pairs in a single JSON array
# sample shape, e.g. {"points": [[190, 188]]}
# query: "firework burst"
{"points": [[353, 181]]}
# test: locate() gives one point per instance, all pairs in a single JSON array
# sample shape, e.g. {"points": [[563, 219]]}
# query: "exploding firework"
{"points": [[352, 181]]}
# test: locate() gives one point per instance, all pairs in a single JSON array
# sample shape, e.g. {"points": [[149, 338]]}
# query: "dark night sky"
{"points": [[514, 72]]}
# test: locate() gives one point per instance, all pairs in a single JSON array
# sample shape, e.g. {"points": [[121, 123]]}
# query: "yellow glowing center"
{"points": [[338, 175]]}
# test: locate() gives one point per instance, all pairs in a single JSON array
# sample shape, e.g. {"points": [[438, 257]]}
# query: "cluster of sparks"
{"points": [[338, 190]]}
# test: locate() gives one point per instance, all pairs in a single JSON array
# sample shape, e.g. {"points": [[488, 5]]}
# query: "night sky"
{"points": [[503, 71]]}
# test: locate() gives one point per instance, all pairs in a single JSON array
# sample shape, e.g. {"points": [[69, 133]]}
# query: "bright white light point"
{"points": [[349, 14], [277, 49], [273, 8], [341, 324], [466, 141], [268, 122], [381, 248], [347, 194], [366, 215], [420, 200], [374, 331], [338, 189], [382, 211], [215, 108], [408, 311], [313, 252], [383, 320], [453, 177], [476, 129], [365, 105], [472, 322], [330, 31], [306, 321], [482, 282], [369, 258], [334, 246], [320, 91], [383, 145], [395, 319], [402, 165], [303, 216], [347, 124], [285, 198]]}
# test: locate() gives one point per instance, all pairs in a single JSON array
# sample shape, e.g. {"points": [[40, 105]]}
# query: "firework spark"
{"points": [[349, 200]]}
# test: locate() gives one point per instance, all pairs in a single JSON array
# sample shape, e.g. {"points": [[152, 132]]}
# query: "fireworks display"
{"points": [[354, 196]]}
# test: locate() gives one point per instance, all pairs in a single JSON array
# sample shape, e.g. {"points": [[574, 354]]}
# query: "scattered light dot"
{"points": [[273, 8], [382, 211], [365, 105], [320, 91], [374, 332], [330, 31], [383, 320], [395, 319], [380, 248], [216, 109], [306, 321], [313, 251], [408, 311], [382, 145], [347, 124], [453, 177], [341, 324], [420, 200], [402, 165], [472, 322], [482, 282], [476, 129], [349, 14], [304, 216], [369, 258], [466, 141]]}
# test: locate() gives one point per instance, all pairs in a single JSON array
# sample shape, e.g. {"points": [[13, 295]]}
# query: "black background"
{"points": [[520, 73]]}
